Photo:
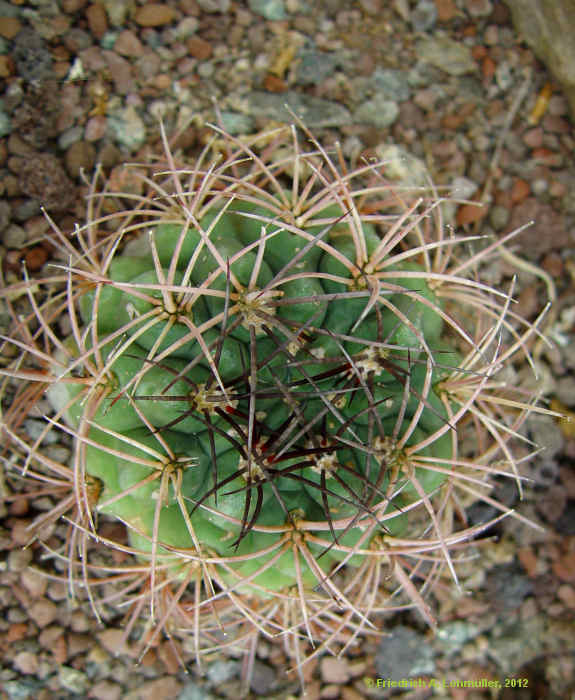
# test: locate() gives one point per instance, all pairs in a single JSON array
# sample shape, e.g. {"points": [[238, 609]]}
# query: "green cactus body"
{"points": [[322, 377]]}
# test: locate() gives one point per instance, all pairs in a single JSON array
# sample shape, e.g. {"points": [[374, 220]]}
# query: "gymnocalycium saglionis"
{"points": [[282, 376]]}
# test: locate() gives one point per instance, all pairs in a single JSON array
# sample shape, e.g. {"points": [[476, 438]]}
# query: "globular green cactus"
{"points": [[271, 365]]}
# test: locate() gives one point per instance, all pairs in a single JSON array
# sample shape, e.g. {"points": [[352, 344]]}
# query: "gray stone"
{"points": [[403, 654], [70, 136], [7, 9], [187, 27], [116, 11], [499, 217], [424, 16], [401, 166], [391, 83], [214, 5], [27, 210], [546, 433], [14, 236], [191, 691], [315, 67], [449, 55], [315, 112], [73, 680], [507, 587], [269, 9], [109, 39], [379, 112], [548, 26], [566, 390], [263, 679], [5, 211], [222, 672], [480, 8], [236, 123], [79, 39], [463, 187], [32, 56], [206, 69], [21, 689], [517, 643], [127, 128], [36, 429], [504, 76], [453, 635]]}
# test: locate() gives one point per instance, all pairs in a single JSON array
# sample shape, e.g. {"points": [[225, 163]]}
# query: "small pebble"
{"points": [[446, 10], [348, 693], [36, 257], [556, 124], [113, 641], [154, 15], [557, 189], [43, 612], [58, 591], [59, 650], [16, 632], [564, 567], [214, 5], [167, 688], [34, 582], [187, 27], [79, 621], [72, 6], [335, 669], [424, 16], [470, 213], [533, 137], [199, 48], [14, 236], [268, 9], [6, 68], [97, 20], [520, 191], [274, 84], [80, 157], [79, 643], [427, 98], [479, 8], [19, 559], [263, 679], [9, 27], [73, 680], [127, 44], [43, 178], [125, 179], [95, 128], [50, 635], [566, 595], [26, 662], [499, 217], [553, 264], [539, 186], [491, 35], [121, 72], [106, 690]]}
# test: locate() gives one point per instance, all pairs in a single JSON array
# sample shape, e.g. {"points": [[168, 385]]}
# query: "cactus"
{"points": [[273, 371]]}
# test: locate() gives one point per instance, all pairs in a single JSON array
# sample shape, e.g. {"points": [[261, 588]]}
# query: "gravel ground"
{"points": [[450, 83]]}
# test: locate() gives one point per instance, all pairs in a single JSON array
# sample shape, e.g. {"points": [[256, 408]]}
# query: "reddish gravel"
{"points": [[86, 83]]}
